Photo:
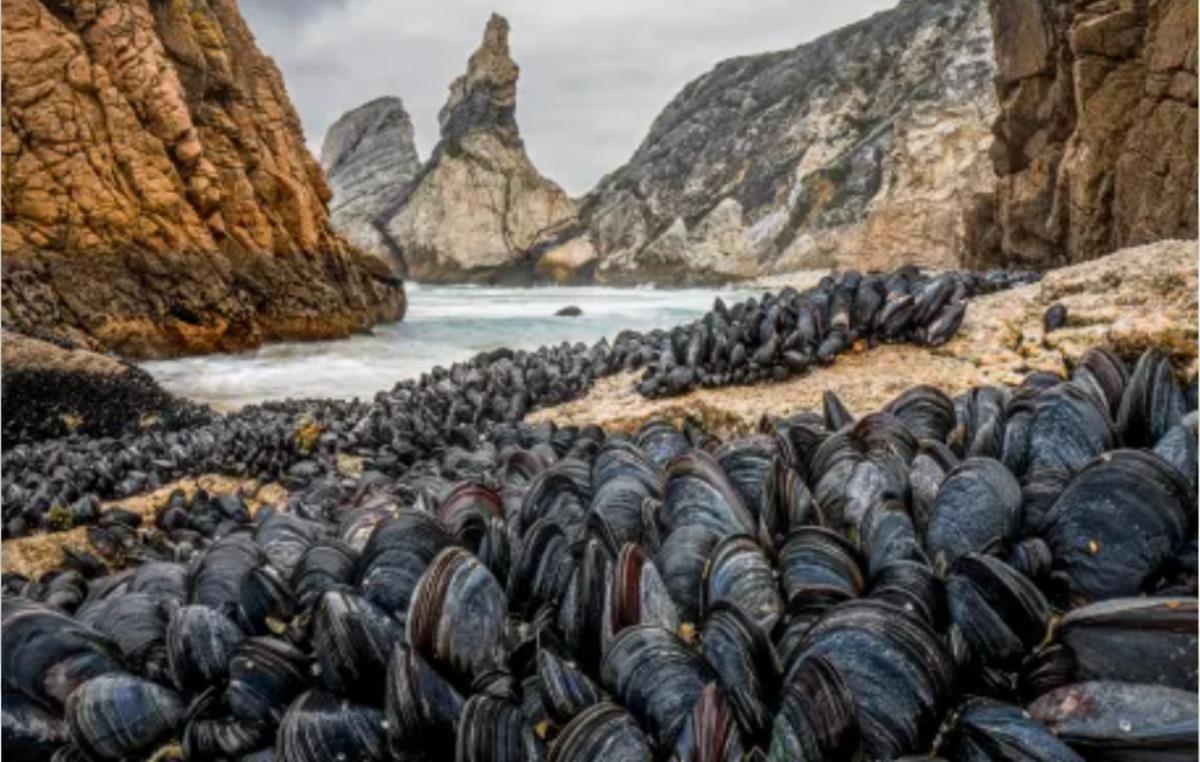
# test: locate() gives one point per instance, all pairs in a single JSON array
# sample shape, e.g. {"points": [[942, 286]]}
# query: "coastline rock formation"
{"points": [[369, 160], [479, 211], [158, 196], [863, 148], [53, 390], [1096, 138]]}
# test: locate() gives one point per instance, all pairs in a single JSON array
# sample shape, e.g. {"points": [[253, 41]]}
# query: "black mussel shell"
{"points": [[818, 568], [653, 673], [47, 655], [900, 676], [564, 689], [710, 733], [1135, 640], [1000, 613], [749, 671], [395, 557], [978, 507], [635, 595], [1118, 521], [1111, 721], [986, 730], [319, 727], [265, 675], [1152, 402], [422, 708], [117, 715], [603, 731], [28, 731], [200, 642], [352, 639], [738, 572], [816, 718], [458, 616], [494, 730]]}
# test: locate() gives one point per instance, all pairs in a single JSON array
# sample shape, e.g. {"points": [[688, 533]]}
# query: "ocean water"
{"points": [[444, 324]]}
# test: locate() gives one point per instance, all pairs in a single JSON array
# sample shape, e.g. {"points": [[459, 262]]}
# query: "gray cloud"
{"points": [[593, 74]]}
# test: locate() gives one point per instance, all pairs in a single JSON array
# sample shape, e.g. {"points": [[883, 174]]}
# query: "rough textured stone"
{"points": [[1129, 300], [53, 390], [1096, 138], [369, 160], [158, 196], [862, 148], [479, 210]]}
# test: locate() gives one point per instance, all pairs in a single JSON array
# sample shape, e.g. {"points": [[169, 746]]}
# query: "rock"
{"points": [[369, 160], [864, 148], [52, 390], [479, 211], [569, 311], [1096, 137], [158, 195]]}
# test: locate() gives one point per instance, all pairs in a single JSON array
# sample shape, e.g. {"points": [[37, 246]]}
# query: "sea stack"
{"points": [[158, 195], [369, 160], [479, 210]]}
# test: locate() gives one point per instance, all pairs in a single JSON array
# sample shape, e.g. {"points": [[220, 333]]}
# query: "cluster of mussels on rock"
{"points": [[56, 484], [1010, 574]]}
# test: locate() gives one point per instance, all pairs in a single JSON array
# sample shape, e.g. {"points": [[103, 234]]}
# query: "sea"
{"points": [[443, 325]]}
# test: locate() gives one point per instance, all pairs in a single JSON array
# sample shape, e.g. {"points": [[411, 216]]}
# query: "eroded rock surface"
{"points": [[369, 159], [863, 148], [158, 196], [479, 210], [1096, 138]]}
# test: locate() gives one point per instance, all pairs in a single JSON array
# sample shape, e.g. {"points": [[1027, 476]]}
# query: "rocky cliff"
{"points": [[369, 160], [862, 148], [479, 210], [1096, 137], [158, 197]]}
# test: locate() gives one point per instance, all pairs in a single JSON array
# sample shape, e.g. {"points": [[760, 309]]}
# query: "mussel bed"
{"points": [[55, 484], [1009, 574]]}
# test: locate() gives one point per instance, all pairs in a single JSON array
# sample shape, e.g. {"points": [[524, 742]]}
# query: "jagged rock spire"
{"points": [[485, 97]]}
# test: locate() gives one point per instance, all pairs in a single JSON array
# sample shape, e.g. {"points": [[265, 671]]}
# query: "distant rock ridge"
{"points": [[158, 195], [478, 210], [863, 148], [369, 159], [1096, 137]]}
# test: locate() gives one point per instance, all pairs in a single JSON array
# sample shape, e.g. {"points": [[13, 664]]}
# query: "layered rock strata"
{"points": [[863, 148], [158, 196], [369, 159], [1096, 137]]}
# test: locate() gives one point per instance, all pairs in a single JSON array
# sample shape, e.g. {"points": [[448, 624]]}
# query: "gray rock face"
{"points": [[863, 148], [370, 160]]}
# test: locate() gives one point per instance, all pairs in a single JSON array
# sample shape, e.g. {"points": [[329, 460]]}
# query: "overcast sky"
{"points": [[593, 74]]}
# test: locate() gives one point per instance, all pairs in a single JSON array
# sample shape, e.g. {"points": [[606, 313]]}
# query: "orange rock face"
{"points": [[1096, 139], [158, 197]]}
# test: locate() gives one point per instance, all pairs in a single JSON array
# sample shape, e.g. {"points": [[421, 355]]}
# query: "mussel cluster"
{"points": [[1010, 574], [786, 334], [56, 484]]}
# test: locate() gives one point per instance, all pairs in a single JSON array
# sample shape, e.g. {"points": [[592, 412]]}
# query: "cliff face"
{"points": [[479, 210], [158, 197], [369, 160], [863, 148], [1096, 138]]}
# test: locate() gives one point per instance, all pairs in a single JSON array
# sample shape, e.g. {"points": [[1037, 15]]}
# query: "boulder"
{"points": [[52, 390]]}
